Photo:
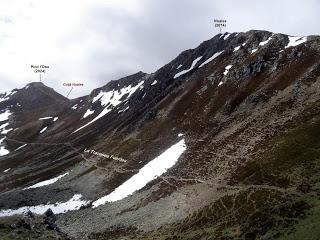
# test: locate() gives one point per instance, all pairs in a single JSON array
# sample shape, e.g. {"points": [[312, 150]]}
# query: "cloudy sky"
{"points": [[95, 41]]}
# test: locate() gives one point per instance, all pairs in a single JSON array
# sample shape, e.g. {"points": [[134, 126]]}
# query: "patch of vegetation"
{"points": [[278, 196], [22, 228], [291, 160], [128, 146], [115, 233], [251, 213]]}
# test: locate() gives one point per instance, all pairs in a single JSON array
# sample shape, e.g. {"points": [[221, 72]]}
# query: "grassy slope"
{"points": [[278, 196]]}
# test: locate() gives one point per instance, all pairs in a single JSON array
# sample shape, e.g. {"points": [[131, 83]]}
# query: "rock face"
{"points": [[246, 106]]}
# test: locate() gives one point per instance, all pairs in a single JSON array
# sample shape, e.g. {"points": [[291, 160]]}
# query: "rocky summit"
{"points": [[220, 143]]}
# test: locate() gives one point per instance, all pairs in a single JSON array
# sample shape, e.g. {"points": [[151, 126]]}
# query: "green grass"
{"points": [[290, 159], [308, 227], [286, 206], [291, 163]]}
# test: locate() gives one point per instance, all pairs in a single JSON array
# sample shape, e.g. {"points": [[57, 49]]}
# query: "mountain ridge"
{"points": [[229, 100]]}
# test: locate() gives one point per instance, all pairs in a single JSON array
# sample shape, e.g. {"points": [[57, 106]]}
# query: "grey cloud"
{"points": [[6, 19], [116, 42]]}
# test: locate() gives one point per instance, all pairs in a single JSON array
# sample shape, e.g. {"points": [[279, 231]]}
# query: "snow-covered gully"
{"points": [[75, 203], [150, 171], [47, 182]]}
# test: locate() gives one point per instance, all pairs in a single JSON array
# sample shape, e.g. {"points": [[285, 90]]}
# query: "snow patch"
{"points": [[7, 170], [226, 36], [74, 106], [111, 99], [179, 66], [87, 113], [5, 115], [3, 126], [254, 50], [295, 41], [3, 150], [44, 118], [43, 130], [226, 70], [150, 171], [236, 48], [5, 131], [4, 99], [220, 83], [188, 70], [20, 147], [55, 119], [154, 82], [123, 110], [46, 182], [75, 203], [210, 59], [266, 41], [13, 92]]}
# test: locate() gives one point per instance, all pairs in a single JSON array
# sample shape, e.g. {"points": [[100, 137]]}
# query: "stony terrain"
{"points": [[247, 107]]}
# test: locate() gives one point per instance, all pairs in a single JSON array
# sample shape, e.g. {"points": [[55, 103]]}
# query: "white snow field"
{"points": [[47, 182], [295, 41], [188, 70], [111, 99], [60, 207], [150, 171], [210, 59]]}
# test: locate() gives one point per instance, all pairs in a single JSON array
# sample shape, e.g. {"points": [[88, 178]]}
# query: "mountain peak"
{"points": [[34, 95], [36, 84]]}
